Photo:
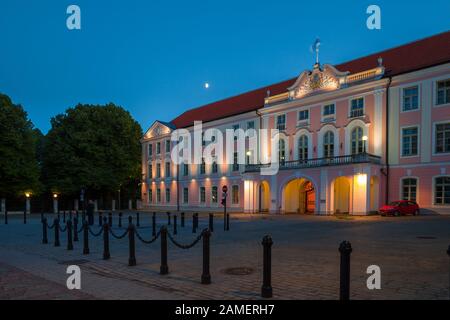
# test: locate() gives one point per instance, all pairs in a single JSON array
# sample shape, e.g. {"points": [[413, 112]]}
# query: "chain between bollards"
{"points": [[206, 276], [85, 237], [344, 290], [106, 253], [164, 269], [132, 242], [44, 231], [56, 224], [69, 235], [266, 289]]}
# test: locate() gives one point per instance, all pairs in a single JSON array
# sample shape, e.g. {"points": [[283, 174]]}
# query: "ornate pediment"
{"points": [[157, 129], [318, 80]]}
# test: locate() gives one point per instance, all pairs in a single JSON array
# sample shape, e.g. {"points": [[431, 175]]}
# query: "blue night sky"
{"points": [[153, 57]]}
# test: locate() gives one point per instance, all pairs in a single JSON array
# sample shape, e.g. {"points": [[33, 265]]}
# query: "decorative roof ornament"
{"points": [[380, 62], [315, 48]]}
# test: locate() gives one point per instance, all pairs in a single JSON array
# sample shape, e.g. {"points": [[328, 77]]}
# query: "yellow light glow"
{"points": [[362, 179], [55, 195], [27, 195], [364, 138], [249, 153]]}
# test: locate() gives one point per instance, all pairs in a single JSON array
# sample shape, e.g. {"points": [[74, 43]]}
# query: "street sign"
{"points": [[225, 189]]}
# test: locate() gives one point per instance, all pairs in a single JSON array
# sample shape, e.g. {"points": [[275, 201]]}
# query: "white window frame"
{"points": [[401, 141], [350, 107], [331, 117], [434, 89], [400, 194], [419, 96], [434, 124], [433, 192]]}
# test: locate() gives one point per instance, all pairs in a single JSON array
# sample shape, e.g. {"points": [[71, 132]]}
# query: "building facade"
{"points": [[351, 136]]}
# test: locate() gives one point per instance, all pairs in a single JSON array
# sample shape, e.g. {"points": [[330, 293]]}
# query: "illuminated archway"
{"points": [[341, 195], [299, 196], [264, 197]]}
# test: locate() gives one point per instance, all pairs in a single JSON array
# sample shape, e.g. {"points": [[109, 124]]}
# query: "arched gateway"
{"points": [[299, 196]]}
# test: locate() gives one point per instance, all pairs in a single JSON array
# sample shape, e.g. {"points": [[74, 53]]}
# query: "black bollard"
{"points": [[132, 244], [182, 219], [120, 219], [110, 222], [138, 224], [75, 229], [59, 216], [100, 219], [266, 289], [228, 222], [64, 216], [85, 237], [56, 226], [154, 224], [345, 249], [106, 254], [168, 218], [174, 225], [211, 222], [206, 277], [6, 217], [448, 253], [164, 269], [25, 217], [44, 231], [69, 235]]}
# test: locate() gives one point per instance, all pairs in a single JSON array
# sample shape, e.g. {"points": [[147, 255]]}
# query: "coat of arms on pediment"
{"points": [[316, 81], [159, 128]]}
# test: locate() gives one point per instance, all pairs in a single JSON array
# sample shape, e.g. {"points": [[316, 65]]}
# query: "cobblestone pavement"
{"points": [[411, 252]]}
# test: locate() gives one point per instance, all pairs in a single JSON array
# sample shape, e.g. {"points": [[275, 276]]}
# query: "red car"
{"points": [[401, 207]]}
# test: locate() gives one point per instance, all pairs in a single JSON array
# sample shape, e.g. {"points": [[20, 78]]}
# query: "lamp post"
{"points": [[55, 203], [27, 203], [364, 139]]}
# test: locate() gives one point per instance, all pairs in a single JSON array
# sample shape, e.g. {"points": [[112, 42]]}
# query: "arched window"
{"points": [[357, 140], [303, 148], [328, 144], [281, 151]]}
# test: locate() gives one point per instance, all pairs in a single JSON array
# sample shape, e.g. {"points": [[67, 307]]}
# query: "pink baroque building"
{"points": [[353, 136]]}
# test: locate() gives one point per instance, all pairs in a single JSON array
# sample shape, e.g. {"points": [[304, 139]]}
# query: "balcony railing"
{"points": [[319, 162]]}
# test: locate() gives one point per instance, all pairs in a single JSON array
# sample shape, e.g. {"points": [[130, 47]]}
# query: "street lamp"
{"points": [[364, 139]]}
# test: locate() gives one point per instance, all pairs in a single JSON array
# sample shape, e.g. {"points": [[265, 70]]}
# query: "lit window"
{"points": [[235, 194], [357, 140], [281, 151], [214, 194]]}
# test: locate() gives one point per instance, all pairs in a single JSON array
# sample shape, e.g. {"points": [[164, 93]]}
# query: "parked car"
{"points": [[400, 207]]}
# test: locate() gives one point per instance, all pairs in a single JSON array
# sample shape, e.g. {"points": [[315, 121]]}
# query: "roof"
{"points": [[409, 57]]}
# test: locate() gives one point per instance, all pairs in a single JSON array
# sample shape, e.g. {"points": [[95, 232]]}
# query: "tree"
{"points": [[92, 147], [19, 170]]}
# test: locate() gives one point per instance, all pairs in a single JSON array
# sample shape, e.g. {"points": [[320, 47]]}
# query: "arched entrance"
{"points": [[341, 189], [264, 197], [374, 193], [299, 196]]}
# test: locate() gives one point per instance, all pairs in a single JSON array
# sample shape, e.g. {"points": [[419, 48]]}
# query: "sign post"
{"points": [[224, 203]]}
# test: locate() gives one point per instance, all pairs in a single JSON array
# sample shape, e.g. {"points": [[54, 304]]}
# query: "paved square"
{"points": [[411, 252]]}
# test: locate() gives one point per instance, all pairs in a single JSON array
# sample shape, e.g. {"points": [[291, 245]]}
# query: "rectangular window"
{"points": [[167, 169], [281, 122], [150, 171], [158, 195], [328, 110], [303, 115], [409, 189], [167, 195], [250, 125], [150, 195], [168, 146], [443, 92], [235, 195], [442, 191], [214, 167], [185, 195], [442, 138], [202, 194], [410, 98], [150, 150], [410, 137], [235, 162], [214, 194], [158, 147], [357, 108], [158, 170], [185, 169]]}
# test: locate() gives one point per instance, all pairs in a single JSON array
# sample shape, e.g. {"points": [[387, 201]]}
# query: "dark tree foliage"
{"points": [[92, 147], [19, 170]]}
